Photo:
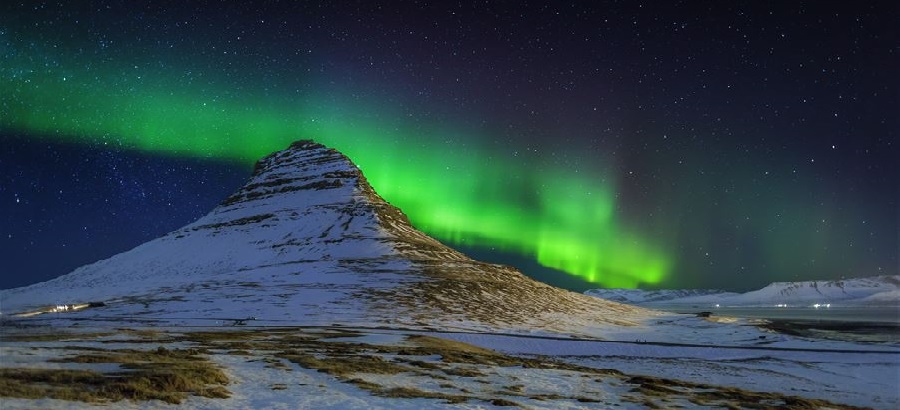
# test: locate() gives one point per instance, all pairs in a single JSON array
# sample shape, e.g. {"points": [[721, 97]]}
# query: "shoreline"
{"points": [[858, 331]]}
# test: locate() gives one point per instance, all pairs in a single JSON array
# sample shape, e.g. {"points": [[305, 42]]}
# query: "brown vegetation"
{"points": [[161, 374], [172, 375]]}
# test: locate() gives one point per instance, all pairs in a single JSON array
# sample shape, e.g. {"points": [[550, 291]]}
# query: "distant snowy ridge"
{"points": [[871, 291], [638, 296], [846, 291]]}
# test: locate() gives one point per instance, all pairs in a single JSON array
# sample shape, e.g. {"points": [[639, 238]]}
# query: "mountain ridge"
{"points": [[874, 290]]}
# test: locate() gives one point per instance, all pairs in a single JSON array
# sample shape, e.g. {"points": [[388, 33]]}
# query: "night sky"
{"points": [[597, 144]]}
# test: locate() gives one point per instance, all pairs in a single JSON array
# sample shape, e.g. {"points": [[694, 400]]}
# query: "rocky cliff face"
{"points": [[308, 241]]}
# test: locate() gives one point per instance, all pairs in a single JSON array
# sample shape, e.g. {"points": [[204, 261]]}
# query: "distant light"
{"points": [[717, 305]]}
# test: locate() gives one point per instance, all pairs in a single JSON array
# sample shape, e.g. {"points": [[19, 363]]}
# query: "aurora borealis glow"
{"points": [[569, 223], [585, 163]]}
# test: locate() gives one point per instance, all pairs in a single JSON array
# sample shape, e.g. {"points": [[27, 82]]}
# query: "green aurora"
{"points": [[462, 193]]}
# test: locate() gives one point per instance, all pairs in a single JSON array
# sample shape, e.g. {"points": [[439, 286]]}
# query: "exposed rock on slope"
{"points": [[307, 240]]}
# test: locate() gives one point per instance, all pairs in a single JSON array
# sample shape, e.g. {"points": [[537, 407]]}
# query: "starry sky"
{"points": [[668, 144]]}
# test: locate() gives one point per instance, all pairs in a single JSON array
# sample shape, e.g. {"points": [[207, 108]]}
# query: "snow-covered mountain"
{"points": [[877, 290], [845, 291], [638, 296], [308, 241]]}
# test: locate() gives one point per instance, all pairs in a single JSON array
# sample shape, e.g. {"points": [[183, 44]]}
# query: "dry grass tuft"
{"points": [[47, 383], [721, 396], [219, 336], [410, 393], [162, 374], [463, 372], [504, 403], [145, 333], [345, 366], [273, 363]]}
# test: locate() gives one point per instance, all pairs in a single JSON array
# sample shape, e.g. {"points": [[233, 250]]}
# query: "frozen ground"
{"points": [[687, 362]]}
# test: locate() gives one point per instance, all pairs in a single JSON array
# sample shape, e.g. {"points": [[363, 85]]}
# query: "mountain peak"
{"points": [[307, 240], [305, 165]]}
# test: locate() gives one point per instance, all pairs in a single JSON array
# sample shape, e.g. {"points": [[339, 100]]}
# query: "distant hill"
{"points": [[638, 296], [872, 291]]}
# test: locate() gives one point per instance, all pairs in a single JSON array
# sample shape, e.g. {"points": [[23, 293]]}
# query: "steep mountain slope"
{"points": [[308, 241]]}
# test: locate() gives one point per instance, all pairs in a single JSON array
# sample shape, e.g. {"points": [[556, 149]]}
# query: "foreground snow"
{"points": [[687, 348], [690, 362]]}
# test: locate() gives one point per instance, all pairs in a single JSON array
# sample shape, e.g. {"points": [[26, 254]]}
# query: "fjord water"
{"points": [[879, 324], [868, 314]]}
